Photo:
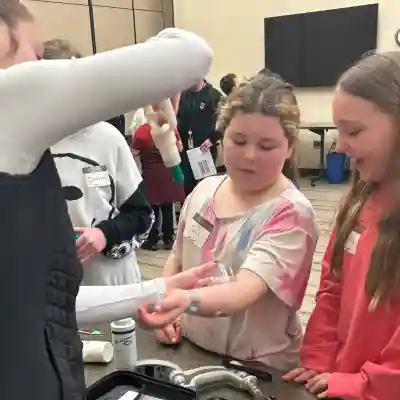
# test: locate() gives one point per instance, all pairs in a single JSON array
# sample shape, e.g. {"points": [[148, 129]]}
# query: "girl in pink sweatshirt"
{"points": [[351, 349]]}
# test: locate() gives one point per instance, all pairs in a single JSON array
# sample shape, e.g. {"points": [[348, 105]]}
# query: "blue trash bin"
{"points": [[336, 164]]}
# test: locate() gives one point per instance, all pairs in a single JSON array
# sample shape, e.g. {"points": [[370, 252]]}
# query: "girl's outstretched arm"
{"points": [[43, 102], [96, 304]]}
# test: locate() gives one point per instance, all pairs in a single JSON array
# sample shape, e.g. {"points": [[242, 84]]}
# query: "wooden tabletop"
{"points": [[188, 356]]}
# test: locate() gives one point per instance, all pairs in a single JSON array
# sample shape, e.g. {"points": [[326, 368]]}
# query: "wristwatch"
{"points": [[194, 296], [195, 301]]}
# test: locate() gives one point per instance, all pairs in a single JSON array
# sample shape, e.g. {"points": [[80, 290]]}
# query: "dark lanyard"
{"points": [[192, 107]]}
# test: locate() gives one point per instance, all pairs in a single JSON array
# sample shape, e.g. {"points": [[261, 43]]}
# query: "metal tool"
{"points": [[201, 378]]}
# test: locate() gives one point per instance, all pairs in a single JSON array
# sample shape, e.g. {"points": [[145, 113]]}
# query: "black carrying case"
{"points": [[116, 384]]}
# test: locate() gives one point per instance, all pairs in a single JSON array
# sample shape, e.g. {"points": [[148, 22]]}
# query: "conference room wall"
{"points": [[236, 34], [117, 22]]}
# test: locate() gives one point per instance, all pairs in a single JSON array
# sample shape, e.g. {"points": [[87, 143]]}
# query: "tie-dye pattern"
{"points": [[275, 240]]}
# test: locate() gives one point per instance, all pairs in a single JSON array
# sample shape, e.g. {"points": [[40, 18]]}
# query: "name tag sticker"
{"points": [[96, 176], [198, 230], [352, 242]]}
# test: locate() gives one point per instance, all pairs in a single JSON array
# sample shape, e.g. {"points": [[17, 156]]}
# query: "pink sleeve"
{"points": [[282, 254], [321, 345], [376, 381]]}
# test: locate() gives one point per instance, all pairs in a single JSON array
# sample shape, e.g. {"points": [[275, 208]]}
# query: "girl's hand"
{"points": [[90, 242], [319, 385], [170, 334], [300, 375], [176, 301], [163, 314], [206, 145], [191, 278]]}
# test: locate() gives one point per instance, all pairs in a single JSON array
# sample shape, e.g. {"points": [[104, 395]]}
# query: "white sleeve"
{"points": [[96, 304], [43, 102]]}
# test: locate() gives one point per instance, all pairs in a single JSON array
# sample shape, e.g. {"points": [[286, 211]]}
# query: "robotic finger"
{"points": [[201, 378]]}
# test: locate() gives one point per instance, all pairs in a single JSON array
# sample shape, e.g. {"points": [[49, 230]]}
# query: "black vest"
{"points": [[40, 278]]}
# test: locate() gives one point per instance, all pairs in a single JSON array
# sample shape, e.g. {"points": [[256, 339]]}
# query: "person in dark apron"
{"points": [[42, 103]]}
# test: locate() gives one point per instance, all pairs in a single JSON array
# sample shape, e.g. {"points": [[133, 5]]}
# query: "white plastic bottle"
{"points": [[124, 342]]}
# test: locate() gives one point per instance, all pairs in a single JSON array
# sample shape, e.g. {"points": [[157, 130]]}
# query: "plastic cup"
{"points": [[223, 274]]}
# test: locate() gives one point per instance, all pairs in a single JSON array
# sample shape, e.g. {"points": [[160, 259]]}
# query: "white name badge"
{"points": [[352, 242], [96, 176], [198, 230]]}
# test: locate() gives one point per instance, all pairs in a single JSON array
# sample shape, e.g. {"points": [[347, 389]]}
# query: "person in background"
{"points": [[228, 83], [110, 214], [119, 123], [161, 189], [43, 102], [197, 116], [138, 120], [254, 221], [268, 72], [351, 348]]}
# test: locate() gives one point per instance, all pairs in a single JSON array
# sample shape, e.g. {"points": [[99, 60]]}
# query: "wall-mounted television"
{"points": [[314, 49]]}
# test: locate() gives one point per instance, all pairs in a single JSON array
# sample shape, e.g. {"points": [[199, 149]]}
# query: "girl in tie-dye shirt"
{"points": [[255, 221]]}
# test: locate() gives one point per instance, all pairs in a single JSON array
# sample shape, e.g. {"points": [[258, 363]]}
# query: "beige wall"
{"points": [[117, 22], [237, 36]]}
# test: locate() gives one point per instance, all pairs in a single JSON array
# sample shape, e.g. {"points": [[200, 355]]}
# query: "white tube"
{"points": [[97, 352], [164, 136]]}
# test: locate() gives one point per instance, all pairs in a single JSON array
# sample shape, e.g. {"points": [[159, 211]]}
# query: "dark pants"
{"points": [[167, 227], [189, 181], [221, 170]]}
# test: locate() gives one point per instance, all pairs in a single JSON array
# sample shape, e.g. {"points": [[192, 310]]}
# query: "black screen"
{"points": [[313, 49]]}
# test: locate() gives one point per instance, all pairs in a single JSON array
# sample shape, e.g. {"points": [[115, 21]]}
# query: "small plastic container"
{"points": [[124, 342], [97, 352], [223, 274]]}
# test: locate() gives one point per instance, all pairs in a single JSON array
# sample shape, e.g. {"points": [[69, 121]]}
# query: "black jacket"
{"points": [[41, 274], [118, 122], [198, 113]]}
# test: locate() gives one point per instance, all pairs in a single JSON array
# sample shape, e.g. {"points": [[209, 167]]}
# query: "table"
{"points": [[189, 356], [320, 129]]}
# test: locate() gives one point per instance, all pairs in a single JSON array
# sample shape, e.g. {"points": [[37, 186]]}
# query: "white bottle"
{"points": [[124, 342]]}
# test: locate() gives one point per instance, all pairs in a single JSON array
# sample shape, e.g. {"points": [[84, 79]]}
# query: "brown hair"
{"points": [[270, 96], [60, 49], [12, 12], [375, 78]]}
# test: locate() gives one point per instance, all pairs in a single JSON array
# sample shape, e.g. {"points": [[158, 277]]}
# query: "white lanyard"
{"points": [[190, 140]]}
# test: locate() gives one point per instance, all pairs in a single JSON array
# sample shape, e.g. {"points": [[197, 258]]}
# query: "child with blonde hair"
{"points": [[255, 222]]}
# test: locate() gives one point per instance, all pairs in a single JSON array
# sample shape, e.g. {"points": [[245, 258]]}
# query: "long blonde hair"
{"points": [[271, 96], [375, 78]]}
